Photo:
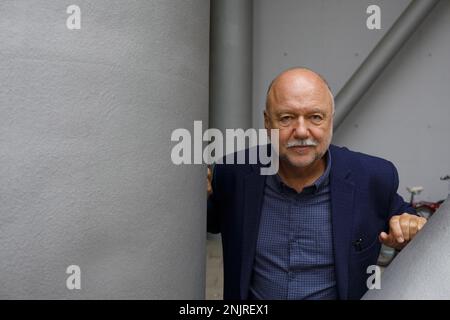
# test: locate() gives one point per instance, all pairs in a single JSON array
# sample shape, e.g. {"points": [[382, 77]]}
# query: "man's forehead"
{"points": [[307, 109], [299, 84], [302, 95]]}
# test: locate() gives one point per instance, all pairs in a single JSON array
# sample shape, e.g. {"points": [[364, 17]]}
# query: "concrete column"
{"points": [[86, 176], [231, 64]]}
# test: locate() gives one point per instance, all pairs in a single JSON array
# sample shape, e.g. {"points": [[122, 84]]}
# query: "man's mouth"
{"points": [[300, 148]]}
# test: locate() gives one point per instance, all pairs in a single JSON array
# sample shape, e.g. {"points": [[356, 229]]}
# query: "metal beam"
{"points": [[380, 57]]}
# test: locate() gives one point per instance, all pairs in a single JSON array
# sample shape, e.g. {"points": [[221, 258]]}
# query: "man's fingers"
{"points": [[386, 239], [402, 229], [395, 229], [383, 237], [405, 220], [413, 227], [415, 224], [421, 223]]}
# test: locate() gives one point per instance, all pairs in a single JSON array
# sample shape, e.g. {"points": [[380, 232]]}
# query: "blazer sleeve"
{"points": [[397, 204]]}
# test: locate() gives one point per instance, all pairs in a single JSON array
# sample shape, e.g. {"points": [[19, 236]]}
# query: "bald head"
{"points": [[296, 82], [300, 106]]}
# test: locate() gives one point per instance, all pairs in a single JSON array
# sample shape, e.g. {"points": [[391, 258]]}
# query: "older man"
{"points": [[310, 231]]}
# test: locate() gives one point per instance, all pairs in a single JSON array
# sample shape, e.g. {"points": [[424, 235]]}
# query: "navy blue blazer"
{"points": [[363, 199]]}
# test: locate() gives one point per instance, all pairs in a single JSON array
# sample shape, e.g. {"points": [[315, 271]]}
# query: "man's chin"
{"points": [[299, 163]]}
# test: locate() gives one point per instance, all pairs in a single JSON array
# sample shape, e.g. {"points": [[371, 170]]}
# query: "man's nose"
{"points": [[301, 129]]}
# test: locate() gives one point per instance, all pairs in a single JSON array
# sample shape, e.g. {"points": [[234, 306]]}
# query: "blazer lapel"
{"points": [[253, 198], [342, 206]]}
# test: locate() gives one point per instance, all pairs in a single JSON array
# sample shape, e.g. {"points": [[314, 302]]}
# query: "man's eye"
{"points": [[285, 120], [316, 117]]}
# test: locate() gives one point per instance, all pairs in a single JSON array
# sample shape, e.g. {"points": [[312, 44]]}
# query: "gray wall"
{"points": [[404, 116], [85, 170]]}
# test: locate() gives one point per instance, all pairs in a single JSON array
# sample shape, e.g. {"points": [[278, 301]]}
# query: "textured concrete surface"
{"points": [[86, 176]]}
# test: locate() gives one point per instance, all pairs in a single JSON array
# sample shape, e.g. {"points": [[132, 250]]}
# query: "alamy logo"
{"points": [[374, 280], [74, 280], [374, 20], [189, 149], [73, 22]]}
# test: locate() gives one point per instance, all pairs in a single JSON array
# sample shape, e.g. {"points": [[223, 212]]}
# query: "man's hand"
{"points": [[209, 188], [402, 228]]}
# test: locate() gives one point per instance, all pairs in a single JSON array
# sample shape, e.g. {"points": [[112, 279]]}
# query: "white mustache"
{"points": [[302, 143]]}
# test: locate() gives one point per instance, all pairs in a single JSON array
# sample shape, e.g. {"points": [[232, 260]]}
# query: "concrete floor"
{"points": [[214, 268]]}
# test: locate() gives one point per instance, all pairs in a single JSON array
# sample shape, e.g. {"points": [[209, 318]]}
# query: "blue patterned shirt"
{"points": [[294, 254]]}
